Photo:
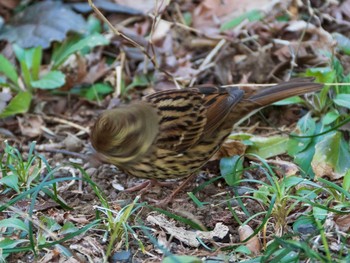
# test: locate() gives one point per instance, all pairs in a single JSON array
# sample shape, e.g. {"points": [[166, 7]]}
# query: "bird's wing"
{"points": [[188, 114]]}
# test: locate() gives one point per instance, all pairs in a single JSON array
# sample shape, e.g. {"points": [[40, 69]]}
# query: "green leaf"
{"points": [[68, 227], [231, 169], [243, 249], [36, 62], [267, 147], [342, 100], [319, 213], [8, 70], [139, 81], [253, 15], [72, 47], [343, 42], [25, 74], [346, 181], [8, 243], [52, 80], [19, 104], [11, 181], [95, 91], [15, 223], [332, 156], [94, 24], [303, 222], [187, 18], [322, 75], [288, 101], [330, 117], [181, 259], [307, 126]]}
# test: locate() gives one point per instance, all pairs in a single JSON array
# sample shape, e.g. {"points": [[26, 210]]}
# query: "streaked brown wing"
{"points": [[219, 103], [188, 114]]}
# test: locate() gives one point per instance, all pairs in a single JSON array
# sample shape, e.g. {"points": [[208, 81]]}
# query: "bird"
{"points": [[171, 134]]}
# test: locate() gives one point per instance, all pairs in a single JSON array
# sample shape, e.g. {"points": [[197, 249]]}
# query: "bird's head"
{"points": [[126, 133]]}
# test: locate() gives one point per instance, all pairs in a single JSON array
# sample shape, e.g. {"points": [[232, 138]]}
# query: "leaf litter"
{"points": [[264, 50]]}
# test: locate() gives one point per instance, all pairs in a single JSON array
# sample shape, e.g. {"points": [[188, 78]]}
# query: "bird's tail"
{"points": [[265, 96]]}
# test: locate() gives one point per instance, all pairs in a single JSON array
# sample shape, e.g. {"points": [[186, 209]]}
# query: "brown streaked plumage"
{"points": [[171, 134]]}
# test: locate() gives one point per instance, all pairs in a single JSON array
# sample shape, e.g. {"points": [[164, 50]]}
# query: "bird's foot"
{"points": [[147, 185], [163, 203]]}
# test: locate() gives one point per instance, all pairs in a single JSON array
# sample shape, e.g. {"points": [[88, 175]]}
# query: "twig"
{"points": [[128, 39], [63, 121], [209, 58]]}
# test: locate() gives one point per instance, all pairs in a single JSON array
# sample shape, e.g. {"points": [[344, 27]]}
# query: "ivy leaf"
{"points": [[332, 157], [42, 23]]}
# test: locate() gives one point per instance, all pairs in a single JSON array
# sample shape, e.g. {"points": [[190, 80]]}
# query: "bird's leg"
{"points": [[146, 185], [168, 199]]}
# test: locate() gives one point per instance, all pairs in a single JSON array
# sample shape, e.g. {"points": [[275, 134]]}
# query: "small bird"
{"points": [[171, 134]]}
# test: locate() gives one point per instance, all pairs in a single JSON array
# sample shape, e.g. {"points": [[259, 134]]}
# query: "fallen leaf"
{"points": [[189, 237], [30, 125], [28, 29], [343, 222], [253, 244]]}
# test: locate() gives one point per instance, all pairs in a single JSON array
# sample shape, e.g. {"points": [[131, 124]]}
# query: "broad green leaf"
{"points": [[330, 117], [288, 101], [8, 243], [345, 88], [343, 42], [319, 213], [322, 75], [15, 223], [342, 100], [8, 70], [243, 249], [97, 90], [90, 41], [67, 228], [19, 104], [231, 169], [181, 259], [307, 126], [10, 181], [94, 25], [337, 67], [139, 81], [253, 15], [267, 147], [52, 80], [28, 56], [332, 156], [50, 223], [305, 224], [292, 181]]}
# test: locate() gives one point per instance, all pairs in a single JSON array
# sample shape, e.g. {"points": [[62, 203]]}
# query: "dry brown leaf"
{"points": [[209, 15], [229, 148], [73, 143], [252, 244], [343, 222], [146, 6], [30, 125], [189, 237], [284, 168]]}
